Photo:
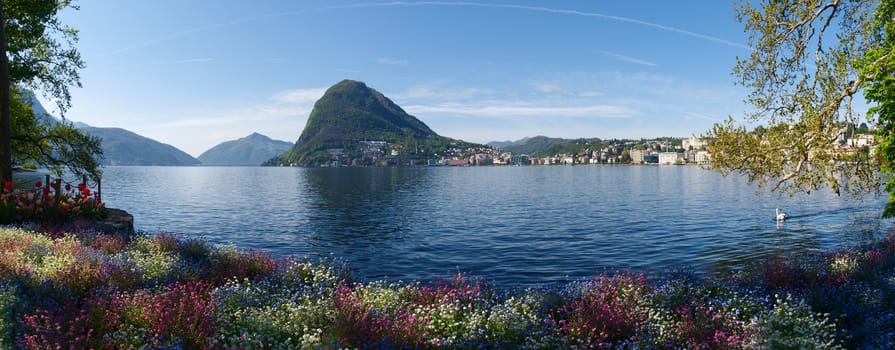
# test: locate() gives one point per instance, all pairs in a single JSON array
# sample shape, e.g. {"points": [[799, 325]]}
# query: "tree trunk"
{"points": [[5, 113]]}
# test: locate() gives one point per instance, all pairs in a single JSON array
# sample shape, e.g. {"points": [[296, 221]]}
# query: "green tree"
{"points": [[626, 157], [810, 59], [878, 68], [59, 146], [37, 51]]}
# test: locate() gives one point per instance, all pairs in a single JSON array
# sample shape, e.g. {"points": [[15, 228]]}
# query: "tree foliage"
{"points": [[41, 55], [57, 145], [879, 69], [810, 59], [41, 49]]}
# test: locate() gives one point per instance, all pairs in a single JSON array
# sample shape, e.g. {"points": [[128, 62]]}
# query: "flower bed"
{"points": [[89, 290], [50, 204]]}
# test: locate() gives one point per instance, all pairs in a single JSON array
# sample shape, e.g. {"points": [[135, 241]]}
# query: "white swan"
{"points": [[780, 215]]}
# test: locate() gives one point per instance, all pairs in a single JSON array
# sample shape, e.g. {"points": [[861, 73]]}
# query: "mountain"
{"points": [[122, 147], [502, 144], [40, 113], [350, 113], [529, 145], [251, 150]]}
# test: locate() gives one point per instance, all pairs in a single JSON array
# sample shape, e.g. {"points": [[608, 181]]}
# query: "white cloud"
{"points": [[546, 87], [590, 94], [437, 92], [240, 116], [510, 110], [298, 95], [171, 62], [199, 132], [628, 59]]}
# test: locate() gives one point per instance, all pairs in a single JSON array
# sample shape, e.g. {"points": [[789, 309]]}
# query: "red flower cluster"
{"points": [[41, 204]]}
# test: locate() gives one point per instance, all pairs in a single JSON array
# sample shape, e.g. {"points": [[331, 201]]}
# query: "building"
{"points": [[703, 157], [669, 157], [482, 159], [636, 156], [373, 144], [693, 144], [520, 160], [458, 162], [861, 140]]}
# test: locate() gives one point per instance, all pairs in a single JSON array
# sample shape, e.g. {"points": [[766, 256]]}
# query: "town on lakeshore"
{"points": [[659, 151]]}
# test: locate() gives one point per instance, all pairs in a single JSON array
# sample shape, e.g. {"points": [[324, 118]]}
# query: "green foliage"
{"points": [[792, 325], [41, 48], [42, 56], [59, 146], [579, 146], [9, 307], [809, 61], [878, 68]]}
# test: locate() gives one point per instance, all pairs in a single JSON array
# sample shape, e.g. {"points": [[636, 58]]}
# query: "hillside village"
{"points": [[661, 151]]}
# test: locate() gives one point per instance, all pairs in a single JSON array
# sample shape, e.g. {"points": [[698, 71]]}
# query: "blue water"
{"points": [[511, 225]]}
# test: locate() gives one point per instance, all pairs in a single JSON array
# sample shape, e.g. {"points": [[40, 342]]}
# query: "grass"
{"points": [[82, 289]]}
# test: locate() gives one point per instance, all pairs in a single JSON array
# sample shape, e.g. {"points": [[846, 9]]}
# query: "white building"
{"points": [[668, 157], [693, 143], [703, 157], [861, 140]]}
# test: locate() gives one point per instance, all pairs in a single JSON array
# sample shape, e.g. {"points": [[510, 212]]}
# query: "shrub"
{"points": [[792, 325], [607, 312]]}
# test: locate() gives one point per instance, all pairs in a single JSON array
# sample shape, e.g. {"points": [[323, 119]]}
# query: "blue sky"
{"points": [[196, 73]]}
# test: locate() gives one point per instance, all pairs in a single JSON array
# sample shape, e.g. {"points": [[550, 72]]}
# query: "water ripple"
{"points": [[513, 225]]}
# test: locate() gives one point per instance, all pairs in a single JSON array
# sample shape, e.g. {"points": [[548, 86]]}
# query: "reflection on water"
{"points": [[513, 225]]}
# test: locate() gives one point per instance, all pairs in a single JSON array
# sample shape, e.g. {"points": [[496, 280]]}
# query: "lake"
{"points": [[515, 226]]}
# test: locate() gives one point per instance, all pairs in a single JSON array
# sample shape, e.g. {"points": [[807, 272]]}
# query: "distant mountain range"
{"points": [[122, 147], [529, 145], [251, 150], [350, 113], [347, 114], [40, 113]]}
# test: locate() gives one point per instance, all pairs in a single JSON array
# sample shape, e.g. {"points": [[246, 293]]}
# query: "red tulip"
{"points": [[38, 184], [68, 187], [8, 186], [46, 191]]}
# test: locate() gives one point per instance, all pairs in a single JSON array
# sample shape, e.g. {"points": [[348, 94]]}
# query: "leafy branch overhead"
{"points": [[810, 59], [40, 54]]}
